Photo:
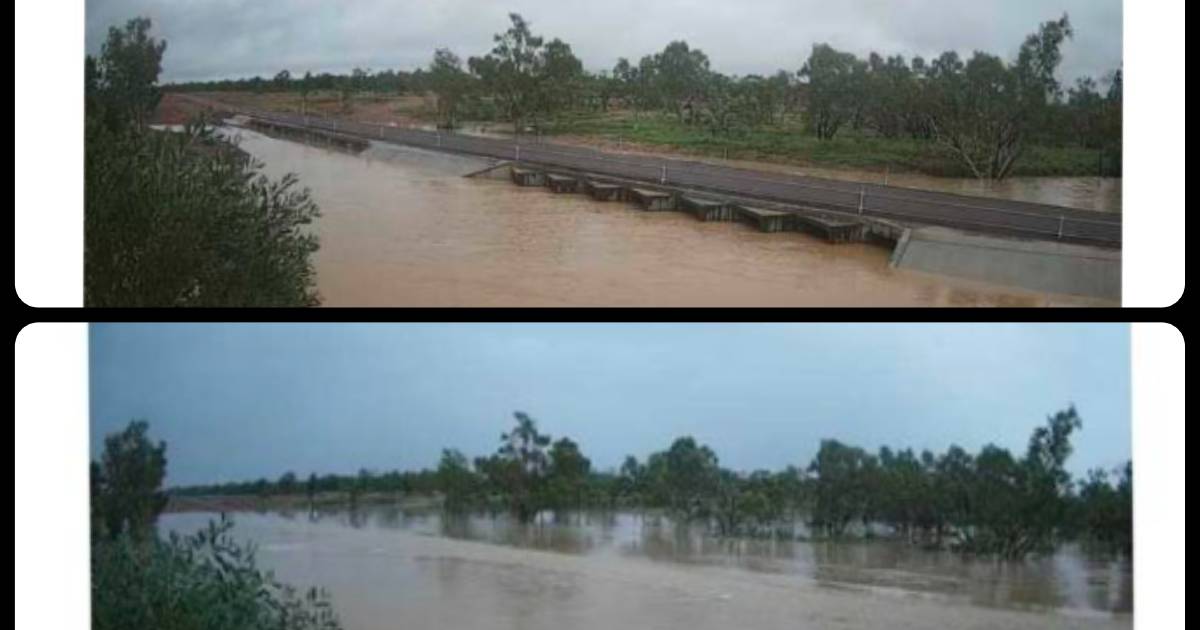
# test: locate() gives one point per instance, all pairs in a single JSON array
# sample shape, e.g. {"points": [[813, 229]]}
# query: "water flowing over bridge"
{"points": [[907, 206]]}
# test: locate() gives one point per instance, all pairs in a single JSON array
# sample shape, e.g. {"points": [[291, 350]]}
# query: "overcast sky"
{"points": [[212, 39], [240, 402]]}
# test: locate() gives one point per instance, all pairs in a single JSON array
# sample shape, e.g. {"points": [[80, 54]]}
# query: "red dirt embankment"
{"points": [[174, 109]]}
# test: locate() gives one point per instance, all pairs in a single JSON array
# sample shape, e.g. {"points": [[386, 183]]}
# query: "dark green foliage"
{"points": [[990, 503], [528, 77], [567, 475], [841, 486], [686, 475], [121, 87], [522, 466], [452, 85], [180, 219], [457, 482], [1105, 509], [981, 117], [199, 582], [126, 485]]}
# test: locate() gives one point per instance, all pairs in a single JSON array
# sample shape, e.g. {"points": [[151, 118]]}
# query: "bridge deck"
{"points": [[918, 207]]}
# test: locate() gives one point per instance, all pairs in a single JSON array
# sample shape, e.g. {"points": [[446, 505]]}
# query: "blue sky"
{"points": [[245, 401]]}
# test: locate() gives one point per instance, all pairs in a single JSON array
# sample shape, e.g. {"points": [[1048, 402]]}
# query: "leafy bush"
{"points": [[199, 582], [182, 219]]}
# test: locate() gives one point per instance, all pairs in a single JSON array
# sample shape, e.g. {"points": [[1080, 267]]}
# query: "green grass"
{"points": [[788, 144]]}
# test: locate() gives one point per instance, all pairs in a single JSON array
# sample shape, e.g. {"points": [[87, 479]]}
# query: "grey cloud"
{"points": [[237, 38]]}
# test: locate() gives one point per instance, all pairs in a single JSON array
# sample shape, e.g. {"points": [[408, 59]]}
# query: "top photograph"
{"points": [[607, 154]]}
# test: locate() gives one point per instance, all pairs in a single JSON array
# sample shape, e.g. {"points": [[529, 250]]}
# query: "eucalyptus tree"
{"points": [[282, 80], [834, 89], [982, 112], [456, 480], [1106, 503], [450, 83], [122, 84], [561, 80], [567, 474], [127, 492], [688, 477], [523, 465], [839, 486], [681, 75], [513, 71], [306, 86]]}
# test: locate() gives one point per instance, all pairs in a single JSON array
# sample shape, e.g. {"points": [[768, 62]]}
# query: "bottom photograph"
{"points": [[549, 476]]}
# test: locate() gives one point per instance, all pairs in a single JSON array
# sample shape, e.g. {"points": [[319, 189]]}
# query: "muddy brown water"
{"points": [[402, 227], [390, 567]]}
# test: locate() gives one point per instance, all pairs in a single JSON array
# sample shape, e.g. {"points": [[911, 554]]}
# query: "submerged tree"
{"points": [[840, 487], [521, 466], [567, 474], [455, 479], [688, 474]]}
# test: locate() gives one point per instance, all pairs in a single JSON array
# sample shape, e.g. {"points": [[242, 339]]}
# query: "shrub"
{"points": [[205, 581]]}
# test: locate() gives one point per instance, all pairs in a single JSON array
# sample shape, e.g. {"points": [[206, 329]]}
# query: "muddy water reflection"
{"points": [[315, 545], [401, 227]]}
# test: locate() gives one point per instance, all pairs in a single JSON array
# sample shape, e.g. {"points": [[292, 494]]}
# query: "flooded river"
{"points": [[389, 567], [402, 227]]}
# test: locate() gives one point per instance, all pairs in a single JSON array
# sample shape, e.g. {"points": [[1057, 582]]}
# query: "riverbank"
{"points": [[177, 504], [1064, 177], [785, 144]]}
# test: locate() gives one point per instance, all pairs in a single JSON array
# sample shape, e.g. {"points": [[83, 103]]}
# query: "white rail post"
{"points": [[664, 174], [518, 147], [862, 197], [1062, 220], [439, 137]]}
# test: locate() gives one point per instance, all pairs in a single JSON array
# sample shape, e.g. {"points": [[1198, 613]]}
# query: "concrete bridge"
{"points": [[848, 199]]}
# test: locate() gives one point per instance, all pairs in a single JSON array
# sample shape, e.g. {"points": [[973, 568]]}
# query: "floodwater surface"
{"points": [[402, 227], [390, 567]]}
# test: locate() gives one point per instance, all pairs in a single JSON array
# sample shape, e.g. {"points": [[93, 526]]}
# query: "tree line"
{"points": [[983, 112], [990, 502]]}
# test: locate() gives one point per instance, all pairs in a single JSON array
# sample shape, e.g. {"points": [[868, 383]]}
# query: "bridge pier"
{"points": [[561, 183], [601, 191], [706, 210], [528, 178], [652, 200], [766, 220], [829, 228]]}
